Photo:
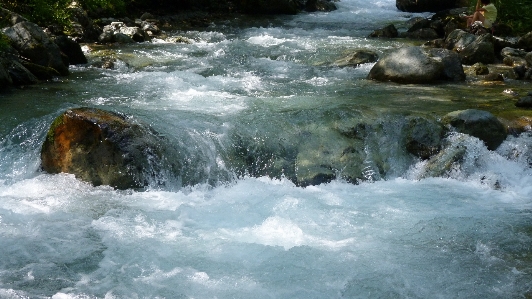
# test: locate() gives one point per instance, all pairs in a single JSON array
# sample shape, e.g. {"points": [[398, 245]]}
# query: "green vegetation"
{"points": [[514, 13], [4, 42]]}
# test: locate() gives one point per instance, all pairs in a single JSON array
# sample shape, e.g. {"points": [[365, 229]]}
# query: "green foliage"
{"points": [[515, 13], [4, 42]]}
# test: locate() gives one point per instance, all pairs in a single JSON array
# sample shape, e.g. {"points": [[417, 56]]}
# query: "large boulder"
{"points": [[71, 49], [425, 5], [415, 65], [31, 42], [11, 17], [103, 148], [481, 124], [472, 48], [5, 79], [452, 64]]}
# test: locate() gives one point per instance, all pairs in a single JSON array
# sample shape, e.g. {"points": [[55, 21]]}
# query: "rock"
{"points": [[289, 7], [5, 79], [416, 65], [423, 137], [481, 124], [389, 31], [493, 77], [442, 164], [357, 58], [21, 75], [528, 59], [417, 23], [479, 69], [71, 49], [11, 17], [120, 33], [82, 28], [452, 65], [425, 5], [103, 148], [520, 71], [524, 102], [525, 42], [319, 5], [471, 48], [146, 16], [31, 42], [135, 33], [41, 72], [511, 52], [423, 33]]}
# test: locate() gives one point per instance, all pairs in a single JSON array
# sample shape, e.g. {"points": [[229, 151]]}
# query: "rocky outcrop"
{"points": [[481, 124], [11, 17], [472, 48], [417, 65], [71, 49], [103, 148], [32, 43], [426, 5]]}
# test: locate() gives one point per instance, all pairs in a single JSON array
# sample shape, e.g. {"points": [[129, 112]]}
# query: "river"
{"points": [[214, 232]]}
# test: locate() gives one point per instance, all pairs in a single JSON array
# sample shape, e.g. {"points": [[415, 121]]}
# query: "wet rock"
{"points": [[389, 32], [41, 72], [481, 124], [416, 65], [524, 102], [71, 49], [319, 5], [103, 148], [471, 48], [120, 33], [493, 77], [423, 137], [31, 42], [448, 159], [425, 5], [357, 58], [525, 42]]}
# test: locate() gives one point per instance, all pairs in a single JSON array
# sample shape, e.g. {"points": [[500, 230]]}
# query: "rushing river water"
{"points": [[226, 234]]}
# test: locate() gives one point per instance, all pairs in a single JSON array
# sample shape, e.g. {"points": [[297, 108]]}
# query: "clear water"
{"points": [[232, 235]]}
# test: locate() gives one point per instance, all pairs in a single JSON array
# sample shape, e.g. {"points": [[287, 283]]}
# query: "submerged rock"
{"points": [[103, 148], [357, 58], [481, 124]]}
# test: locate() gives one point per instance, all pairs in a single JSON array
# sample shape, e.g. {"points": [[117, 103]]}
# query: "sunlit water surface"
{"points": [[468, 235]]}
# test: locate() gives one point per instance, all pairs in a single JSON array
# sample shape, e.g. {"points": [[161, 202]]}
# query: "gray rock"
{"points": [[31, 42], [389, 32], [20, 74], [528, 59], [135, 33], [479, 69], [512, 52], [471, 48], [524, 102], [423, 33], [481, 124], [357, 58], [416, 65], [423, 137], [5, 79], [452, 65], [11, 17]]}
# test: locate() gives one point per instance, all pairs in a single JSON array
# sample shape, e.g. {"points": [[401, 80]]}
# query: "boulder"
{"points": [[528, 59], [525, 42], [358, 57], [31, 42], [479, 69], [289, 7], [71, 49], [389, 32], [103, 148], [471, 48], [120, 33], [452, 65], [481, 124], [423, 137], [425, 5], [416, 65], [524, 102]]}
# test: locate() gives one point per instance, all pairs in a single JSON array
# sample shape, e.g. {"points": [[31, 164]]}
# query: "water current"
{"points": [[226, 234]]}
